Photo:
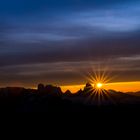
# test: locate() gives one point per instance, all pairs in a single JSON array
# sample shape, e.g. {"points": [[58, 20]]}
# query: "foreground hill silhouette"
{"points": [[51, 99]]}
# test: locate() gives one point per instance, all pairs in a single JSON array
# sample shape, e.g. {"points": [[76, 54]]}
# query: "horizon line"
{"points": [[133, 86]]}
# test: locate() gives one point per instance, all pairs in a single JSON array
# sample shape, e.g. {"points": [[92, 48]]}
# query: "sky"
{"points": [[59, 42]]}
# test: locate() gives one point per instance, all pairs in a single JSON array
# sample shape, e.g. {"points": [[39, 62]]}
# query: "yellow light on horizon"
{"points": [[99, 85], [118, 86]]}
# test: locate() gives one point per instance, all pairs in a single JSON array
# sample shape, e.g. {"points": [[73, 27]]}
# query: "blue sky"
{"points": [[51, 40]]}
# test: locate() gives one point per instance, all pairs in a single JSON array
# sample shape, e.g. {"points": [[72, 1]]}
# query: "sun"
{"points": [[99, 85], [99, 79]]}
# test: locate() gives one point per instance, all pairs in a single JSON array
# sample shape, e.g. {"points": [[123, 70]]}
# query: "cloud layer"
{"points": [[51, 42]]}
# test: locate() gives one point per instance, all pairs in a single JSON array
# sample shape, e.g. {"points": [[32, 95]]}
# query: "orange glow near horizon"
{"points": [[124, 86], [118, 86]]}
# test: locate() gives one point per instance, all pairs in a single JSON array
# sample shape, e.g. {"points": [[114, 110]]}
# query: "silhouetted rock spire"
{"points": [[68, 92], [53, 90], [88, 86], [88, 89], [41, 87], [80, 92]]}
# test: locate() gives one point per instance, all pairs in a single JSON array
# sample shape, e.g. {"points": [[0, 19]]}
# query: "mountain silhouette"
{"points": [[51, 98]]}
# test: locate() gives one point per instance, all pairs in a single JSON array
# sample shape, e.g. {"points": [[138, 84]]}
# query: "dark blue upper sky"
{"points": [[25, 7], [51, 40]]}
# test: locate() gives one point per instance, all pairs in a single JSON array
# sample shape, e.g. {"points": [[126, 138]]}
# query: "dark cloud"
{"points": [[67, 51]]}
